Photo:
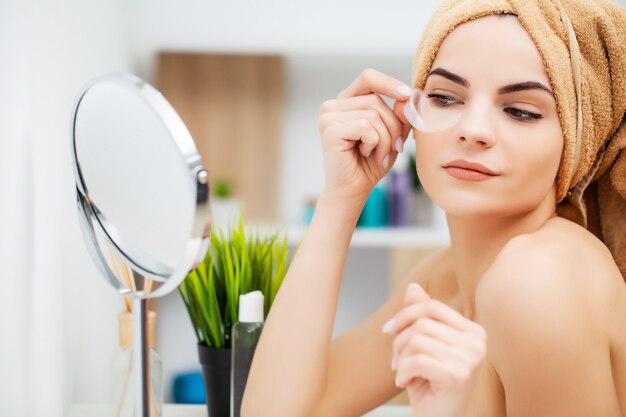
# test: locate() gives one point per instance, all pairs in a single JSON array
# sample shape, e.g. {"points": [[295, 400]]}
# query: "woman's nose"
{"points": [[475, 126]]}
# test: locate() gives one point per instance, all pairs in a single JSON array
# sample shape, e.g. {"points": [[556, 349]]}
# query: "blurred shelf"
{"points": [[399, 236], [384, 237]]}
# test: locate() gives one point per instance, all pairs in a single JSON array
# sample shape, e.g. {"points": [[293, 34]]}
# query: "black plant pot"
{"points": [[216, 365]]}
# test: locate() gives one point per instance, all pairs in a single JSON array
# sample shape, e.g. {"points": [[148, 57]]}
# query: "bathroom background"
{"points": [[58, 317]]}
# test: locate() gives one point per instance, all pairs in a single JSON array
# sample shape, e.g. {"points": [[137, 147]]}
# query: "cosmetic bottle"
{"points": [[245, 336], [122, 381], [399, 192], [375, 210]]}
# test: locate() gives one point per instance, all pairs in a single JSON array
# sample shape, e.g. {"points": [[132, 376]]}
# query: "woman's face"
{"points": [[492, 71]]}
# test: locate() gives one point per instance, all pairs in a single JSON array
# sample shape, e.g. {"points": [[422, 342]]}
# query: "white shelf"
{"points": [[385, 237], [405, 236]]}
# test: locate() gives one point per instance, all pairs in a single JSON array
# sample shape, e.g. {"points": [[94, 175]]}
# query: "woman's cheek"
{"points": [[426, 167]]}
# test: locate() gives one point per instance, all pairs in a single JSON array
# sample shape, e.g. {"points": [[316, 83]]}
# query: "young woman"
{"points": [[525, 313]]}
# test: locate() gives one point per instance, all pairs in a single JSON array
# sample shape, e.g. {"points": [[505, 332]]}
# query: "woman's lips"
{"points": [[468, 174], [469, 171]]}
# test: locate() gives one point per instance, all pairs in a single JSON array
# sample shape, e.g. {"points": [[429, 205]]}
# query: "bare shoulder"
{"points": [[562, 263], [549, 299]]}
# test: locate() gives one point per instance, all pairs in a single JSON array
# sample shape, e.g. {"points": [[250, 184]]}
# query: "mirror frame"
{"points": [[93, 221]]}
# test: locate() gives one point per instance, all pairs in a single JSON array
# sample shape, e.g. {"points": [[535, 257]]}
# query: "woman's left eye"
{"points": [[520, 114], [442, 100]]}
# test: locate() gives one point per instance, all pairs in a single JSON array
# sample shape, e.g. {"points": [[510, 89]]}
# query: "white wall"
{"points": [[93, 42], [65, 44], [58, 313], [348, 27], [15, 205]]}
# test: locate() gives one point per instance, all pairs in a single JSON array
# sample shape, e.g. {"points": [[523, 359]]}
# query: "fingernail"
{"points": [[386, 161], [397, 381], [399, 145], [404, 90], [389, 326], [414, 286], [393, 363]]}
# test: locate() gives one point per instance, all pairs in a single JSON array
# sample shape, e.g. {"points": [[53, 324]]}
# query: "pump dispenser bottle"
{"points": [[245, 337]]}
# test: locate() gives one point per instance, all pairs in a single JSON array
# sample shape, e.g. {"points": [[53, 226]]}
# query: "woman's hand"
{"points": [[437, 354], [361, 135]]}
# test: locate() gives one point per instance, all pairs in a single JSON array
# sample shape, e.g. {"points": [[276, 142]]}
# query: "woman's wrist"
{"points": [[335, 209], [343, 202]]}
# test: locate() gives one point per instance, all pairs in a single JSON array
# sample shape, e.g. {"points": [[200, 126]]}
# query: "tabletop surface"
{"points": [[184, 410]]}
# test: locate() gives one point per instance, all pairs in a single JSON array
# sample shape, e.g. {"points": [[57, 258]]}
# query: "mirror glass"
{"points": [[142, 190]]}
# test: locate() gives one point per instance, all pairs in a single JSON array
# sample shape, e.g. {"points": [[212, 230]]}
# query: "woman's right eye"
{"points": [[442, 100]]}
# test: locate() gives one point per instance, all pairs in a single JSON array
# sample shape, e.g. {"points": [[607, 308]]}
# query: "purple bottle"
{"points": [[399, 192]]}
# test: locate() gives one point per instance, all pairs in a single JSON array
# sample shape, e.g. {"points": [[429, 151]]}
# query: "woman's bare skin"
{"points": [[362, 375], [546, 292], [588, 302]]}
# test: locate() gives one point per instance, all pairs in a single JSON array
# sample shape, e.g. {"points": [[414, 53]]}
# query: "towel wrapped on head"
{"points": [[583, 47]]}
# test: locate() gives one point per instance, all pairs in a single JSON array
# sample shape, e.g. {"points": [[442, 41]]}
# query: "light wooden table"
{"points": [[184, 410]]}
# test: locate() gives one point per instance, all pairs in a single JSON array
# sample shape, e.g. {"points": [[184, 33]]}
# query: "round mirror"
{"points": [[142, 190]]}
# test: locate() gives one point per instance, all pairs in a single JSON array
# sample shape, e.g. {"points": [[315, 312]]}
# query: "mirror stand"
{"points": [[141, 357]]}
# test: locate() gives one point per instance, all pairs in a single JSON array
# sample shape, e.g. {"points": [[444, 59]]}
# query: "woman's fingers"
{"points": [[415, 294], [439, 363], [439, 345], [360, 121], [372, 101], [434, 343], [434, 309], [398, 111], [439, 374], [422, 318], [447, 358], [383, 146], [431, 337], [430, 328], [363, 95], [372, 81], [355, 130]]}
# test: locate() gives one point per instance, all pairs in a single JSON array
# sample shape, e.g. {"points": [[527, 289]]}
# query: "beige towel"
{"points": [[591, 181]]}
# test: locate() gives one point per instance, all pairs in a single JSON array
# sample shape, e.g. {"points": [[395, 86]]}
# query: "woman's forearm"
{"points": [[289, 370]]}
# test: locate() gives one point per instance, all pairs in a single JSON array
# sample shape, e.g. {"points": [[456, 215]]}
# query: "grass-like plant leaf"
{"points": [[236, 263]]}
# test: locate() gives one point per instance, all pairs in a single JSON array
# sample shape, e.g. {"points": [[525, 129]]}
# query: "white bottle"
{"points": [[245, 336]]}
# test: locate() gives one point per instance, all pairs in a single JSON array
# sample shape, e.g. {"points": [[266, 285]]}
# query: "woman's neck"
{"points": [[477, 241]]}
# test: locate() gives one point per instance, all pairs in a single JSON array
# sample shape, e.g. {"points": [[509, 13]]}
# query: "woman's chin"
{"points": [[472, 207]]}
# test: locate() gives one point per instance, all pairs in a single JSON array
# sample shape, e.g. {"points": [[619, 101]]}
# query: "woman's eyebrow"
{"points": [[527, 85], [450, 76]]}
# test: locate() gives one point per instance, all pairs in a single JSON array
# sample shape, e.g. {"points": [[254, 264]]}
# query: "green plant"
{"points": [[235, 264], [222, 189], [417, 185]]}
